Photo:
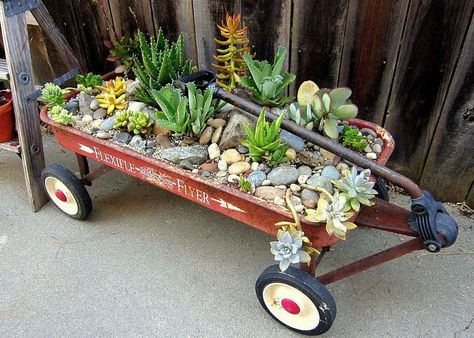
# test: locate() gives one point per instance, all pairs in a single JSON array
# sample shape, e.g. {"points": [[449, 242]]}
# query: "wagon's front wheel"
{"points": [[296, 299], [66, 191]]}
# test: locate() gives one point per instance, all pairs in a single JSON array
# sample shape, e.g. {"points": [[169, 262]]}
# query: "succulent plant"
{"points": [[245, 185], [333, 214], [88, 82], [124, 49], [265, 141], [53, 95], [355, 188], [287, 249], [201, 107], [121, 119], [230, 63], [112, 96], [60, 115], [301, 115], [139, 123], [173, 105], [267, 82], [353, 139], [159, 63]]}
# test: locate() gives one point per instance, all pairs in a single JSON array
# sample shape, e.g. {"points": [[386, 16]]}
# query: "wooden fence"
{"points": [[409, 63]]}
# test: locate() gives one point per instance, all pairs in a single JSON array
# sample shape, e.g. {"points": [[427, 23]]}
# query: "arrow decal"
{"points": [[227, 205], [85, 148]]}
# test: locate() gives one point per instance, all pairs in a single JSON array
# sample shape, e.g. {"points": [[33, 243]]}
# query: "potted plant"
{"points": [[7, 119]]}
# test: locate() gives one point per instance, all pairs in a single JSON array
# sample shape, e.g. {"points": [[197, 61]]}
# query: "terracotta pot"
{"points": [[7, 119]]}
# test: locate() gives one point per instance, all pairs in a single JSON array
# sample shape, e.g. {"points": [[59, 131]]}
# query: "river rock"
{"points": [[256, 178], [379, 141], [231, 156], [233, 178], [163, 141], [371, 156], [291, 154], [94, 105], [216, 135], [305, 170], [299, 208], [295, 187], [295, 200], [103, 135], [234, 132], [136, 106], [320, 181], [331, 173], [242, 149], [157, 130], [368, 131], [99, 114], [108, 123], [222, 165], [72, 106], [302, 179], [205, 136], [122, 137], [132, 86], [309, 198], [96, 124], [194, 154], [310, 158], [279, 201], [216, 123], [269, 193], [266, 182], [214, 151], [377, 148], [238, 168], [185, 164], [283, 175], [136, 140], [87, 118], [210, 167], [84, 102], [293, 141], [327, 154]]}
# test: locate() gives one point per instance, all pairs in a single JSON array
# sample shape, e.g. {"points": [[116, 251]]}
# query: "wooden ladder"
{"points": [[13, 20]]}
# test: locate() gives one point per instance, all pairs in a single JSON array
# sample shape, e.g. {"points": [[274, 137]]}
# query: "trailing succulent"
{"points": [[60, 115], [53, 95], [328, 106], [353, 139], [264, 142], [112, 96], [230, 63], [88, 82], [356, 188], [267, 82], [158, 64], [184, 115]]}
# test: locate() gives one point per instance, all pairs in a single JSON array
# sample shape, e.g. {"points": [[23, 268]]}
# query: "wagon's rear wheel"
{"points": [[296, 299], [66, 191]]}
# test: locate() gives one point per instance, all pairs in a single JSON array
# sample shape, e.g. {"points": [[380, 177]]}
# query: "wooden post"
{"points": [[17, 52]]}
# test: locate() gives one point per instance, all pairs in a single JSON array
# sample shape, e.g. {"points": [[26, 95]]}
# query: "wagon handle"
{"points": [[390, 175]]}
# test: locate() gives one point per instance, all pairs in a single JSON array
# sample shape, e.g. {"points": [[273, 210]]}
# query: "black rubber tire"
{"points": [[382, 189], [311, 287], [75, 186]]}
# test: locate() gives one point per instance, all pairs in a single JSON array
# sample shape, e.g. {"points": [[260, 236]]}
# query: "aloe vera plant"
{"points": [[159, 63], [267, 82], [264, 142], [201, 107]]}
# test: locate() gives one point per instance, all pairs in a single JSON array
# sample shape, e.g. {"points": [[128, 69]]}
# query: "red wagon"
{"points": [[295, 297]]}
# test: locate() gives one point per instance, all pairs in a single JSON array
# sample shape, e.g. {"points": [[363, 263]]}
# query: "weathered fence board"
{"points": [[433, 37], [372, 39], [449, 170], [124, 20]]}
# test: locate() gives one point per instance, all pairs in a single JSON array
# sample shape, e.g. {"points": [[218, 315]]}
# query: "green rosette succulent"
{"points": [[139, 123], [355, 188], [353, 139], [53, 95], [121, 119], [60, 115]]}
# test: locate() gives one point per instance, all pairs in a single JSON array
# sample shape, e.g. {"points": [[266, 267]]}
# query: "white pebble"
{"points": [[87, 118], [372, 156], [222, 165], [266, 182], [281, 187], [299, 208], [195, 171], [295, 187], [254, 166], [221, 173], [233, 178], [279, 201], [302, 179], [214, 151]]}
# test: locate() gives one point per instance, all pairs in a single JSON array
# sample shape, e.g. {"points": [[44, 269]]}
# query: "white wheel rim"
{"points": [[53, 185], [307, 317]]}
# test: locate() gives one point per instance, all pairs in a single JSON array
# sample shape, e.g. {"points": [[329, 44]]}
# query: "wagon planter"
{"points": [[291, 295]]}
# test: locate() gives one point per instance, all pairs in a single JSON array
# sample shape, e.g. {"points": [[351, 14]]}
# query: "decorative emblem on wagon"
{"points": [[162, 179], [85, 148], [227, 205]]}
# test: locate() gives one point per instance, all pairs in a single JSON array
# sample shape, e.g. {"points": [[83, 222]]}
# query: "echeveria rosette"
{"points": [[356, 188], [287, 249], [333, 214]]}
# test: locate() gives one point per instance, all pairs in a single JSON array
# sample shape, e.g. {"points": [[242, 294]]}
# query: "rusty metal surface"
{"points": [[216, 196], [390, 175], [371, 261], [387, 217], [96, 173]]}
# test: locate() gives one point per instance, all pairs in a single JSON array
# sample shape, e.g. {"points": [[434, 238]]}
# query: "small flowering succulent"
{"points": [[356, 189], [140, 123], [287, 249], [333, 214], [60, 115]]}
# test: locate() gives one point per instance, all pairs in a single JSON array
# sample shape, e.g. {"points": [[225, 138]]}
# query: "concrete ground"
{"points": [[149, 263]]}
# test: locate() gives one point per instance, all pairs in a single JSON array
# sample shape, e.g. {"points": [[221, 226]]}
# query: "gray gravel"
{"points": [[148, 263]]}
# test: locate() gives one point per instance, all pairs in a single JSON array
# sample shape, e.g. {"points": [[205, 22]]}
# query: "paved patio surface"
{"points": [[148, 263]]}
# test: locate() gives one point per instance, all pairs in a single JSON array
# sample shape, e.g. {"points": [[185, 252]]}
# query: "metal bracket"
{"points": [[15, 7], [58, 81]]}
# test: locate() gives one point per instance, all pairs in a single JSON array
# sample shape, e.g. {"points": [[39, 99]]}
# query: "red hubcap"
{"points": [[60, 195], [290, 306]]}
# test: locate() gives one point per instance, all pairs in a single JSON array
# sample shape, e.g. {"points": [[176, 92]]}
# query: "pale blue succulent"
{"points": [[287, 249]]}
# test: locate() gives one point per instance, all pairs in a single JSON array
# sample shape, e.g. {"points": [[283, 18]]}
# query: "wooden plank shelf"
{"points": [[12, 145], [3, 69]]}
